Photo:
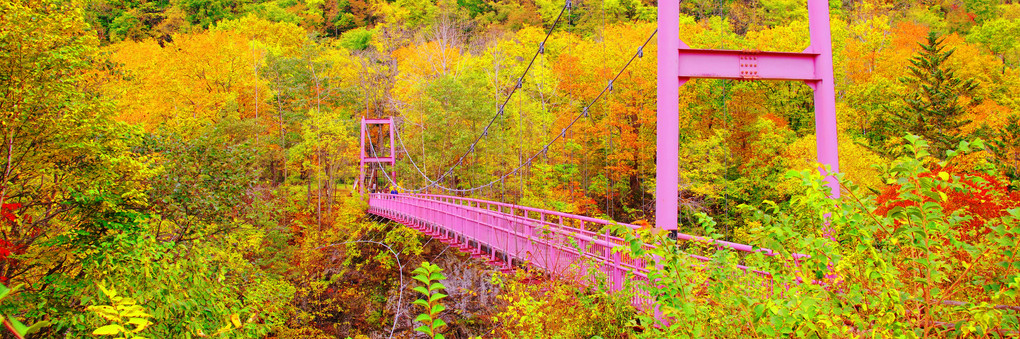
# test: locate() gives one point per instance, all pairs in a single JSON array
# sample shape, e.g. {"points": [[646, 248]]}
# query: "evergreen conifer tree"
{"points": [[933, 108], [1005, 145]]}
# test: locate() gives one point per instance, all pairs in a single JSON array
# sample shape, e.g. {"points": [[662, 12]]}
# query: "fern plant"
{"points": [[429, 275]]}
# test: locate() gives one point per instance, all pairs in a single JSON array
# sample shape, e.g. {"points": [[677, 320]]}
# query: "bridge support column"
{"points": [[825, 92], [667, 128]]}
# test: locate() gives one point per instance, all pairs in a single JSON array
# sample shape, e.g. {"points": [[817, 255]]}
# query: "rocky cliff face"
{"points": [[469, 284]]}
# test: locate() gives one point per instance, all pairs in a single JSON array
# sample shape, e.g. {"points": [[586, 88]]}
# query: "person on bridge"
{"points": [[393, 190]]}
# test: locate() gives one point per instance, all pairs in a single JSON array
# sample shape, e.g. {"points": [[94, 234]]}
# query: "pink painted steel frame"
{"points": [[678, 64], [365, 159]]}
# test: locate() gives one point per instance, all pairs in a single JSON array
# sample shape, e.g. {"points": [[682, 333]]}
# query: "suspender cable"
{"points": [[502, 107]]}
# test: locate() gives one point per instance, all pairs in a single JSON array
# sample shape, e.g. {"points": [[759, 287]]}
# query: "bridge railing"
{"points": [[577, 221], [559, 243], [581, 222], [514, 237]]}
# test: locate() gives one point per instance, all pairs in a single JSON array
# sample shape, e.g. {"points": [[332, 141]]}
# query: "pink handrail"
{"points": [[680, 236], [541, 238]]}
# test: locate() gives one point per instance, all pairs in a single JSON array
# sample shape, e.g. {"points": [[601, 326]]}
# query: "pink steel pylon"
{"points": [[366, 159], [679, 63]]}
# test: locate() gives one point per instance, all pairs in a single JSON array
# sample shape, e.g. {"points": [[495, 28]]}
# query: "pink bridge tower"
{"points": [[679, 63], [365, 159]]}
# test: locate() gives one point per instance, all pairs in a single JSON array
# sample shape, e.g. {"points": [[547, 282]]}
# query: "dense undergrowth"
{"points": [[926, 267]]}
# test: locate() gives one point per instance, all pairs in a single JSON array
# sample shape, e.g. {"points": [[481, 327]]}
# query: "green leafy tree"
{"points": [[356, 39], [204, 179], [1000, 35], [117, 20], [982, 10], [67, 175], [208, 12]]}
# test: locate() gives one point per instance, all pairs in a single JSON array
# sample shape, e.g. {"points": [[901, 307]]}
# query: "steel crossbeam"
{"points": [[747, 65]]}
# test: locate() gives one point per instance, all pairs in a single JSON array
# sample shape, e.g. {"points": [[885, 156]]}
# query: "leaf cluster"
{"points": [[429, 275]]}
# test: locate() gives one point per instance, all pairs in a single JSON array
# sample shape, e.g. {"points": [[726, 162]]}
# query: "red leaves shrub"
{"points": [[7, 214], [7, 211], [984, 197]]}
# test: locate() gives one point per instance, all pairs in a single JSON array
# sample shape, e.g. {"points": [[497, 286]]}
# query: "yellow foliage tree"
{"points": [[197, 78], [856, 161]]}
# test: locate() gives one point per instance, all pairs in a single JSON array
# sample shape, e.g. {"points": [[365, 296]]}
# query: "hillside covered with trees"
{"points": [[186, 168]]}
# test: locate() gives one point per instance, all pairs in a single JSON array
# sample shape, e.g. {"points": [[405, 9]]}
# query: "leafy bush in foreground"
{"points": [[906, 272]]}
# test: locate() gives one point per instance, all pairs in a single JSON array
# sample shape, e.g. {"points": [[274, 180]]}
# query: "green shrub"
{"points": [[905, 273]]}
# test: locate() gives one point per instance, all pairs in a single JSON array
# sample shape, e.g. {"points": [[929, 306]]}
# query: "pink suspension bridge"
{"points": [[510, 235]]}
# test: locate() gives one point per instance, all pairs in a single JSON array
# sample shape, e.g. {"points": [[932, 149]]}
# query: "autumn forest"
{"points": [[190, 168]]}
